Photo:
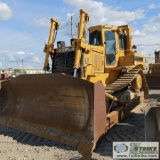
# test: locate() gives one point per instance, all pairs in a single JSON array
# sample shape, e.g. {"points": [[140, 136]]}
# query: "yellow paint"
{"points": [[49, 47], [92, 58], [104, 78]]}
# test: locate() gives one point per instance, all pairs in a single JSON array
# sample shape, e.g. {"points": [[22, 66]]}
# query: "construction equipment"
{"points": [[91, 88], [152, 114], [153, 75], [3, 76], [152, 124]]}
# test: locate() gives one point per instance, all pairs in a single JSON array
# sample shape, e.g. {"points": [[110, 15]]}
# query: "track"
{"points": [[17, 145], [125, 80]]}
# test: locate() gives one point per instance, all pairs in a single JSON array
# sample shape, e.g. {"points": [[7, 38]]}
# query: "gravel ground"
{"points": [[16, 145]]}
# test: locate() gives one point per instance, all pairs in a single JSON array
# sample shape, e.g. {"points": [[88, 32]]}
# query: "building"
{"points": [[8, 71], [30, 70], [17, 71]]}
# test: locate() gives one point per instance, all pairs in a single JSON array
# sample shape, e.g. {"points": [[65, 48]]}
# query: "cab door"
{"points": [[110, 48]]}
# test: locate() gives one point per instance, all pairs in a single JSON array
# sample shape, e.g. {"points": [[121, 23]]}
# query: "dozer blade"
{"points": [[152, 124], [153, 81], [55, 106]]}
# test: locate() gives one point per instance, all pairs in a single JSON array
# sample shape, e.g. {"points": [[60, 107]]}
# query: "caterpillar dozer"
{"points": [[153, 75], [152, 123], [92, 86], [152, 114]]}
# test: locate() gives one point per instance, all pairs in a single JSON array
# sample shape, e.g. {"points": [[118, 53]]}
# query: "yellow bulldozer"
{"points": [[152, 123], [92, 86], [153, 74], [152, 114]]}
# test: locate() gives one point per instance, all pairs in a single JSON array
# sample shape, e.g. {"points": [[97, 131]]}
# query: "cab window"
{"points": [[122, 41], [95, 38], [110, 48]]}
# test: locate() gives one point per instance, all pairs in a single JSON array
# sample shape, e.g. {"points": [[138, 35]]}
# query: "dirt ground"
{"points": [[17, 145]]}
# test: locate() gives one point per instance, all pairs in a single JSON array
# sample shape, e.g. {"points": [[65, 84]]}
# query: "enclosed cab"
{"points": [[108, 52]]}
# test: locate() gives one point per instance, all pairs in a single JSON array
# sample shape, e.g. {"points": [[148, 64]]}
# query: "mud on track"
{"points": [[17, 145]]}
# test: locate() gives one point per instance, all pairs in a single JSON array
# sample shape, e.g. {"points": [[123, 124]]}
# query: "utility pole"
{"points": [[18, 64], [22, 66], [71, 24], [22, 63], [5, 62]]}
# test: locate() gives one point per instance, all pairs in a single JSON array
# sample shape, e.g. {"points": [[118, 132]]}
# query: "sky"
{"points": [[25, 24]]}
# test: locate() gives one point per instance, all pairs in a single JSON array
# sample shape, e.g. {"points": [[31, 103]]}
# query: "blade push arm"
{"points": [[84, 18], [49, 48]]}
